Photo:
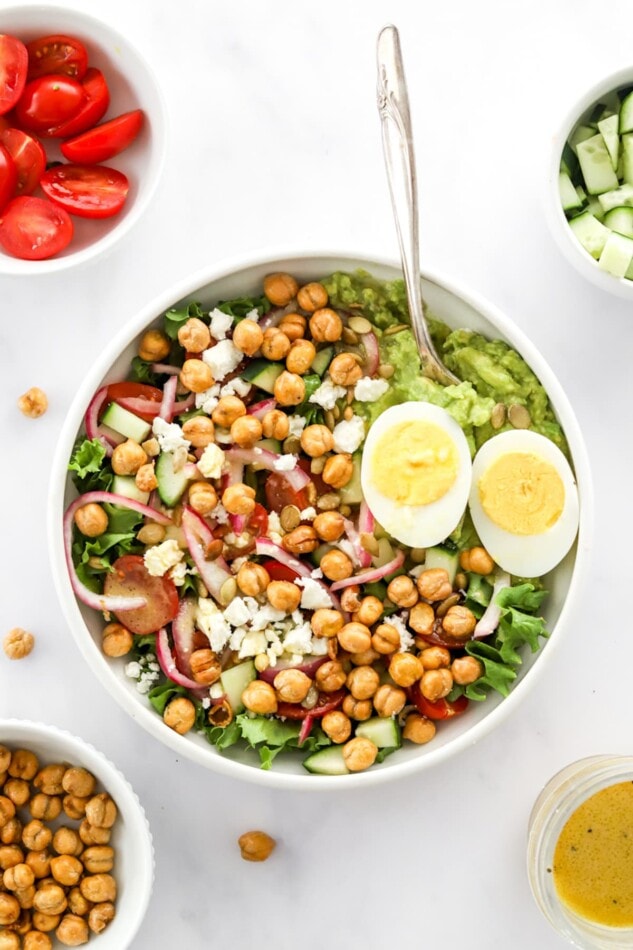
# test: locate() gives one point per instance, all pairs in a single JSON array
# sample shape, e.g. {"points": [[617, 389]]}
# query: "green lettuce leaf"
{"points": [[272, 736], [175, 318], [239, 307]]}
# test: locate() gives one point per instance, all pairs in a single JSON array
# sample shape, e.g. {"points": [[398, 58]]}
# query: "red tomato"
{"points": [[28, 156], [325, 704], [34, 229], [48, 102], [131, 578], [57, 54], [258, 521], [280, 493], [128, 390], [8, 177], [280, 572], [440, 638], [97, 100], [89, 191], [441, 709], [104, 141], [4, 123], [14, 61]]}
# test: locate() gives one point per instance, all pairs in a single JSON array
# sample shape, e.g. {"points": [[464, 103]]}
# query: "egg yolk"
{"points": [[414, 463], [522, 493]]}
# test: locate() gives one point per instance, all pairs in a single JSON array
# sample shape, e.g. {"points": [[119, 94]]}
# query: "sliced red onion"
{"points": [[295, 477], [166, 410], [366, 525], [374, 575], [492, 615], [182, 630], [91, 420], [259, 409], [148, 407], [372, 353], [275, 315], [306, 728], [168, 664], [363, 557], [308, 668], [165, 369], [198, 535]]}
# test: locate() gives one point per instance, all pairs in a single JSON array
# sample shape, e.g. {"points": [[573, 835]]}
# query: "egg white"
{"points": [[525, 555], [418, 526]]}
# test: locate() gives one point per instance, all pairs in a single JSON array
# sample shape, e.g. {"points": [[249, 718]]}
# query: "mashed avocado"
{"points": [[492, 372]]}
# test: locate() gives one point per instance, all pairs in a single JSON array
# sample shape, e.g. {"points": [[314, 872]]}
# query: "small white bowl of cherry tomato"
{"points": [[82, 138]]}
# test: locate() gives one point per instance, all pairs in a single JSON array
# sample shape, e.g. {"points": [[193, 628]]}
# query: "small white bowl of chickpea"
{"points": [[76, 853], [110, 650]]}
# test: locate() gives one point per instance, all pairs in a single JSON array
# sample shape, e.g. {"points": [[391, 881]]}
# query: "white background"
{"points": [[275, 142]]}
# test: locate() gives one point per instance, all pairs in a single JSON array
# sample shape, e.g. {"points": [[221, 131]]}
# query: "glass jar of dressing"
{"points": [[580, 852]]}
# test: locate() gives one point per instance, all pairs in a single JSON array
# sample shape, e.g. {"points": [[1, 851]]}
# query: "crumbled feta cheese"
{"points": [[327, 394], [252, 315], [223, 436], [298, 639], [308, 514], [406, 638], [417, 570], [252, 644], [211, 461], [210, 621], [285, 463], [169, 435], [206, 702], [317, 573], [314, 595], [208, 400], [161, 557], [348, 548], [296, 425], [220, 323], [146, 682], [369, 390], [266, 615], [178, 573], [222, 358], [237, 613], [236, 387], [274, 531], [220, 514], [236, 638], [318, 646], [216, 690], [348, 434], [237, 562], [133, 670]]}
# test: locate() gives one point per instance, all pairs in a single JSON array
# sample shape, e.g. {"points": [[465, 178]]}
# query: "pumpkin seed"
{"points": [[445, 606], [336, 412], [498, 416], [360, 324], [348, 413], [345, 510], [311, 493], [349, 336], [291, 445], [328, 416], [328, 502], [418, 555], [398, 328], [317, 465], [290, 517], [214, 549], [201, 589], [368, 543], [519, 417], [228, 591], [179, 459], [350, 396], [386, 370]]}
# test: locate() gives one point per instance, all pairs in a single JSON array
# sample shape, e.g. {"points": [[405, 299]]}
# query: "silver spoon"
{"points": [[397, 141]]}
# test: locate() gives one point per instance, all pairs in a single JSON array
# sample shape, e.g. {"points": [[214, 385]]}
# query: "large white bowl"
{"points": [[458, 308], [133, 85], [131, 836]]}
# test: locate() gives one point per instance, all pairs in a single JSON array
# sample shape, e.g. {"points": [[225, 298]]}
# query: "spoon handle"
{"points": [[397, 141]]}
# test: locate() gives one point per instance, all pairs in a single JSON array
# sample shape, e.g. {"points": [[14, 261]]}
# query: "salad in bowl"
{"points": [[296, 552]]}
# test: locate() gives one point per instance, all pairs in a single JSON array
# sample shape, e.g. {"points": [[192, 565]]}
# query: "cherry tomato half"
{"points": [[324, 704], [279, 571], [28, 156], [130, 578], [258, 521], [89, 191], [97, 100], [8, 177], [48, 102], [104, 141], [280, 493], [57, 54], [441, 709], [14, 61], [34, 229], [117, 392]]}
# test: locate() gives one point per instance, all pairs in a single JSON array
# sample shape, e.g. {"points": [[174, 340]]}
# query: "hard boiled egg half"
{"points": [[524, 502], [416, 473]]}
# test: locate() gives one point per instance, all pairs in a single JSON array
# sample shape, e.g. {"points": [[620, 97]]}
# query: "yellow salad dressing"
{"points": [[593, 859]]}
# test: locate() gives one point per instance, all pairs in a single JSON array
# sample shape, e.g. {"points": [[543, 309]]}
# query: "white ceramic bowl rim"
{"points": [[146, 716]]}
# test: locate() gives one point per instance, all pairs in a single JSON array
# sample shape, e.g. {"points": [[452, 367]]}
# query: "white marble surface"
{"points": [[275, 141]]}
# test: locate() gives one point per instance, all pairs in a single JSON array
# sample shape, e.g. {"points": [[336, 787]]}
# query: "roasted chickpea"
{"points": [[5, 758], [312, 296], [78, 781], [369, 610], [280, 288], [98, 888], [45, 807], [418, 729], [434, 584], [275, 425], [256, 845], [196, 376], [477, 561], [354, 637], [91, 520], [72, 931], [389, 700], [7, 810], [77, 903], [11, 832], [202, 497], [90, 834], [260, 698], [246, 431], [275, 344], [345, 370], [74, 806], [127, 458], [436, 684], [362, 682], [36, 836], [67, 841], [194, 335], [325, 325], [302, 540], [338, 470], [337, 726], [18, 877], [329, 525], [66, 869], [99, 859], [9, 940], [228, 409], [459, 622], [102, 914], [154, 346], [434, 658], [422, 618], [402, 591], [336, 565], [34, 940], [358, 709], [316, 440], [50, 899], [330, 676], [179, 715], [10, 855], [359, 753], [300, 356], [23, 765], [49, 779], [466, 669], [283, 595], [366, 658], [39, 862], [239, 499], [289, 389], [17, 789], [9, 909], [248, 336], [200, 431], [326, 622], [294, 326], [405, 669], [151, 533], [45, 923], [205, 667], [292, 686], [101, 811], [116, 640], [252, 579]]}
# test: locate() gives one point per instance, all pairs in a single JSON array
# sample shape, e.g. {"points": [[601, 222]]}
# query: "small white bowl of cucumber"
{"points": [[591, 185]]}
